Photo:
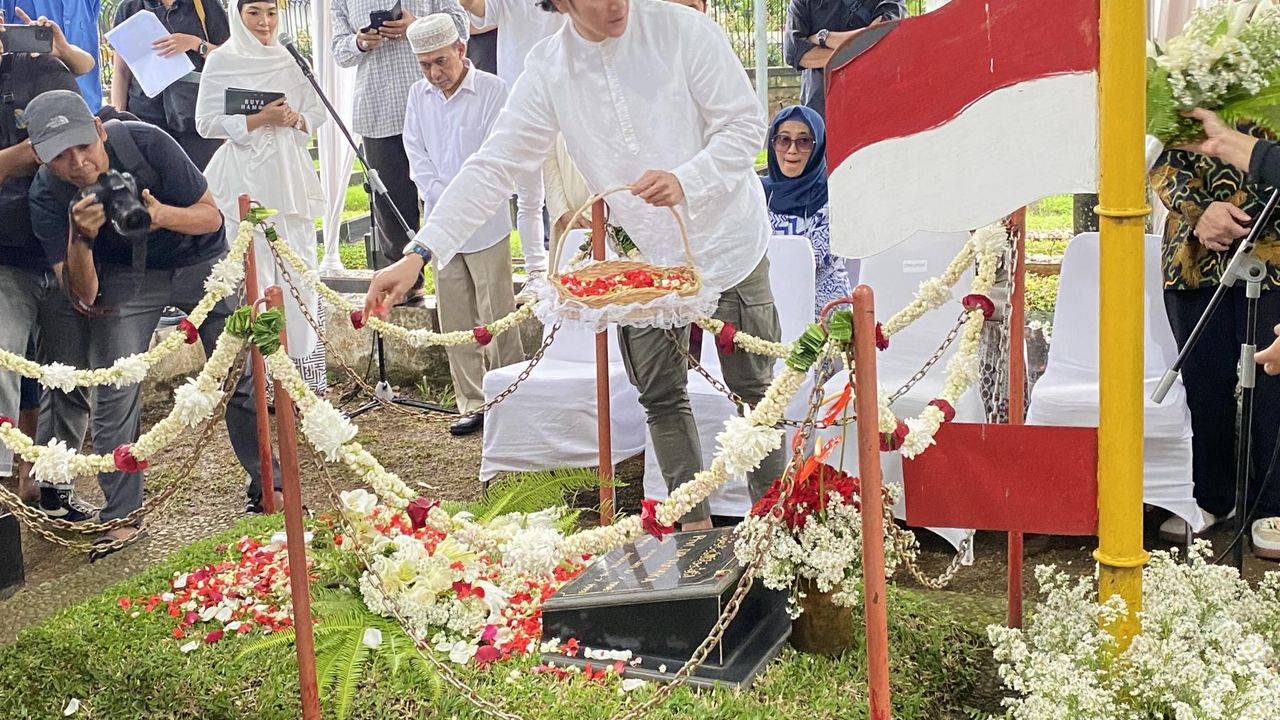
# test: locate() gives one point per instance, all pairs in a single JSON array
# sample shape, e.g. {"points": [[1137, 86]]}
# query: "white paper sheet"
{"points": [[132, 40]]}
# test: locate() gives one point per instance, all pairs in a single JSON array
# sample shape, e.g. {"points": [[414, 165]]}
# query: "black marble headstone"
{"points": [[11, 570], [660, 599]]}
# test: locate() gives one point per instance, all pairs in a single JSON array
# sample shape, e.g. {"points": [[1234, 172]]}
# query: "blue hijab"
{"points": [[807, 194]]}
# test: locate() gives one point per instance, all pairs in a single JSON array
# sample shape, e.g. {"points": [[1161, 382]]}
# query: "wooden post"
{"points": [[1017, 224], [604, 429], [866, 406], [299, 579], [268, 483]]}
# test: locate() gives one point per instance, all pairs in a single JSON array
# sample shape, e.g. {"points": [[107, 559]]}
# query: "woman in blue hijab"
{"points": [[796, 189]]}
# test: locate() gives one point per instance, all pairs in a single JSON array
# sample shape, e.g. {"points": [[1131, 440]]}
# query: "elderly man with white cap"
{"points": [[450, 113]]}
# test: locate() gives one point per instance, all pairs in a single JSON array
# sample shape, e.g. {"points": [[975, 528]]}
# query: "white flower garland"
{"points": [[934, 292], [332, 433], [963, 368], [418, 337], [56, 464], [132, 369]]}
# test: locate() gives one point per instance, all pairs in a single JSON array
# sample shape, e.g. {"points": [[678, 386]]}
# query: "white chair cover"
{"points": [[791, 274], [550, 422], [894, 275], [1067, 394]]}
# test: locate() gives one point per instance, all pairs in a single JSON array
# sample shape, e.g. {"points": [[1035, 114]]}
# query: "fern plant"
{"points": [[343, 658], [530, 492]]}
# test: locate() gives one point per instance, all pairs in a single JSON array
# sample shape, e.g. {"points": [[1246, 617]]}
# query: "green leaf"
{"points": [[1263, 110], [804, 352], [840, 326], [533, 491], [266, 330], [240, 322]]}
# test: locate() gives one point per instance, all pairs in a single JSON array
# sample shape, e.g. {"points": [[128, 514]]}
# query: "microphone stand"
{"points": [[1244, 266], [383, 392]]}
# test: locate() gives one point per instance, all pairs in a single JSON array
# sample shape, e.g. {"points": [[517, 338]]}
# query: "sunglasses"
{"points": [[782, 143]]}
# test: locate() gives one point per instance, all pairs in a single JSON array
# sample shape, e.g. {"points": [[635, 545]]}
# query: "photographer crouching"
{"points": [[128, 222]]}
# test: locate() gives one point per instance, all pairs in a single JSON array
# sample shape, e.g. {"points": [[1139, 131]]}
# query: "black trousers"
{"points": [[387, 156], [1210, 379]]}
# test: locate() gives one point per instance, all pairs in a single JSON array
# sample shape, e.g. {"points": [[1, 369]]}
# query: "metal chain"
{"points": [[306, 314], [40, 524], [720, 387]]}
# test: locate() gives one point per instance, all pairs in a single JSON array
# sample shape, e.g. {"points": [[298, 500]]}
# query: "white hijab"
{"points": [[274, 165]]}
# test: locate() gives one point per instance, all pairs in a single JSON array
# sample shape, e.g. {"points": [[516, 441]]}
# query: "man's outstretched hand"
{"points": [[1269, 358], [389, 285]]}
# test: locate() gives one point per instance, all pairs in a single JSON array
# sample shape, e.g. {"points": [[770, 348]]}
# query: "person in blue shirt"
{"points": [[78, 20]]}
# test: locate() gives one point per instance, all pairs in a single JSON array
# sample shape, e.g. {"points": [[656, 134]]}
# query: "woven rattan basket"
{"points": [[690, 285]]}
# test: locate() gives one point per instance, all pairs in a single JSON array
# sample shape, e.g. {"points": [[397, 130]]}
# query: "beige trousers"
{"points": [[475, 289]]}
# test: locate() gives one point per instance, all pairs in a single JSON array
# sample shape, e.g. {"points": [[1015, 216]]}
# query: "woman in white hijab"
{"points": [[266, 156]]}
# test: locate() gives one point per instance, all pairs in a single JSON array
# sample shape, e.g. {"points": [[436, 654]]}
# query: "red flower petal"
{"points": [[649, 519], [892, 441], [189, 330], [418, 511], [213, 637], [975, 301], [125, 460], [5, 419], [724, 338], [482, 335], [124, 603], [882, 342], [487, 654], [948, 412], [357, 319]]}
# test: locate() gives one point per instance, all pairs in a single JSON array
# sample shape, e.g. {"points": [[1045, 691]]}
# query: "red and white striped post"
{"points": [[604, 428], [873, 582], [268, 484]]}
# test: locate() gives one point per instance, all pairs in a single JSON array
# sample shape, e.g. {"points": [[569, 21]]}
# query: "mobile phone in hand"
{"points": [[378, 17], [26, 39]]}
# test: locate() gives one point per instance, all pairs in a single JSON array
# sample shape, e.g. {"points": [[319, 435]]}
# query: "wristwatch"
{"points": [[420, 250], [202, 49], [822, 37]]}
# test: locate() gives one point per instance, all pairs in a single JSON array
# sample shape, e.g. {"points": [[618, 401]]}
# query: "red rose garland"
{"points": [[892, 441], [975, 301], [948, 412], [882, 342], [192, 333], [482, 335], [125, 460], [724, 338], [649, 519], [357, 319]]}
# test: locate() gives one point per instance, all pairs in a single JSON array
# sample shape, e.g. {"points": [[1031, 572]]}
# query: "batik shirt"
{"points": [[831, 281], [1187, 183]]}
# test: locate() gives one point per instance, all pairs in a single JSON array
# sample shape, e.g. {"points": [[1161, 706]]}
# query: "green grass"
{"points": [[122, 667], [1050, 214]]}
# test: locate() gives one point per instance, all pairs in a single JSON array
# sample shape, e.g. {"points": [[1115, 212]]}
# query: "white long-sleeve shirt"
{"points": [[669, 94], [441, 133], [521, 25]]}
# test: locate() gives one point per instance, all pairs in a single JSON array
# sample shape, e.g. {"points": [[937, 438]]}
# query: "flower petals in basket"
{"points": [[626, 291]]}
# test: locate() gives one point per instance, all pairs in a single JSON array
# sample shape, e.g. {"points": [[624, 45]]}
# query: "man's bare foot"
{"points": [[28, 491], [696, 525]]}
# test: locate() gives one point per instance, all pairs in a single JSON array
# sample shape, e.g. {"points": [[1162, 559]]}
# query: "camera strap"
{"points": [[122, 148]]}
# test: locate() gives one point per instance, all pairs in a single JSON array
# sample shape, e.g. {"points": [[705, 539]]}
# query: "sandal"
{"points": [[106, 545]]}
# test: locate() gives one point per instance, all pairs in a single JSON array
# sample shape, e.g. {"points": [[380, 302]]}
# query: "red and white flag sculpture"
{"points": [[955, 118]]}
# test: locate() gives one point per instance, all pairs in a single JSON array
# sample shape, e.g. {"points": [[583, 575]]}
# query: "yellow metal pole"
{"points": [[1122, 211]]}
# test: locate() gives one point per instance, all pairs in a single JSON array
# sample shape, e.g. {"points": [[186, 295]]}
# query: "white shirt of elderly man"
{"points": [[449, 115], [650, 94]]}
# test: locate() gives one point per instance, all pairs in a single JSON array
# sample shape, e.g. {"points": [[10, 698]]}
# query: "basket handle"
{"points": [[553, 268]]}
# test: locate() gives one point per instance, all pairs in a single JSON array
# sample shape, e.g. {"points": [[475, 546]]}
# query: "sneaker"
{"points": [[1174, 530], [171, 316], [58, 505], [1266, 538], [82, 505]]}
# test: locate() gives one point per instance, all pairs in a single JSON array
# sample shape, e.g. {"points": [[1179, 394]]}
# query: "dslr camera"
{"points": [[122, 201]]}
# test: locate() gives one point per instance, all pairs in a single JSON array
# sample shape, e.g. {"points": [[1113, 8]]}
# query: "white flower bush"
{"points": [[1207, 651]]}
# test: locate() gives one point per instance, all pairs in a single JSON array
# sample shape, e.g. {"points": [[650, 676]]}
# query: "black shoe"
{"points": [[467, 425], [58, 505], [415, 298]]}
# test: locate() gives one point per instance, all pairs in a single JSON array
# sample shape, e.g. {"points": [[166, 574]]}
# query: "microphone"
{"points": [[286, 41]]}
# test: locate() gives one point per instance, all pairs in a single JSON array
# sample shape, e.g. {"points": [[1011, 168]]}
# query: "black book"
{"points": [[249, 102]]}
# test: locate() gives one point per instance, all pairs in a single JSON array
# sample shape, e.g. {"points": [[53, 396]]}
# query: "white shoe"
{"points": [[1174, 530], [1266, 538]]}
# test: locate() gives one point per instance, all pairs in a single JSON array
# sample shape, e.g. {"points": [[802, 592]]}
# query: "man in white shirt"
{"points": [[646, 93], [385, 68], [449, 114]]}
